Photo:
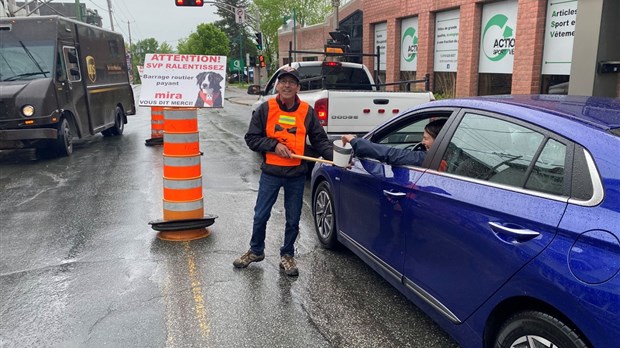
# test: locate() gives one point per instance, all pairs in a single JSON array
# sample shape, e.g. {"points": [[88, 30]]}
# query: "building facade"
{"points": [[474, 47]]}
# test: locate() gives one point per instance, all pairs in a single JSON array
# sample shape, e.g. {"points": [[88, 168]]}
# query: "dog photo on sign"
{"points": [[209, 89]]}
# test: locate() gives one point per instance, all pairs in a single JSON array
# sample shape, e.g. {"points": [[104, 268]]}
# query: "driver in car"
{"points": [[393, 155]]}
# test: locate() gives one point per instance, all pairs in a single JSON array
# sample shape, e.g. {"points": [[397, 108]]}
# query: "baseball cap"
{"points": [[289, 71]]}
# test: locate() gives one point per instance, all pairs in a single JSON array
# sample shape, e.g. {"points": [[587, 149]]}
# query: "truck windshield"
{"points": [[25, 60]]}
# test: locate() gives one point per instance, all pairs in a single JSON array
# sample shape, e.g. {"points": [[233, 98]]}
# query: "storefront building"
{"points": [[471, 47]]}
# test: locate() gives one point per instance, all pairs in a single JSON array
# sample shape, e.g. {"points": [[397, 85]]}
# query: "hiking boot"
{"points": [[247, 258], [287, 263]]}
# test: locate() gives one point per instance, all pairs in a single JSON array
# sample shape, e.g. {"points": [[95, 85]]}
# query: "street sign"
{"points": [[239, 15], [183, 80]]}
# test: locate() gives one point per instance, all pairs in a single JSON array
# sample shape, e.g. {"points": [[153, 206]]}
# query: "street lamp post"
{"points": [[294, 34], [285, 19], [336, 5]]}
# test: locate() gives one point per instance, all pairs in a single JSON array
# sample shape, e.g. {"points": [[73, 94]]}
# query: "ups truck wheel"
{"points": [[63, 146], [119, 124]]}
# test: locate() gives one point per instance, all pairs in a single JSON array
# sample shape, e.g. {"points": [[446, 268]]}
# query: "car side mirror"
{"points": [[255, 90]]}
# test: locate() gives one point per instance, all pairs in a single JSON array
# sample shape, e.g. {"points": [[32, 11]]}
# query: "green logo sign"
{"points": [[409, 45], [236, 65], [501, 45]]}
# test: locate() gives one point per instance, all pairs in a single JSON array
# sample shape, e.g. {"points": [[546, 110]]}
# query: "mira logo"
{"points": [[91, 69], [409, 44], [498, 38]]}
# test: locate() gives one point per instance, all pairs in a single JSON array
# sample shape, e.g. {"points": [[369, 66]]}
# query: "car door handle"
{"points": [[520, 234], [394, 194]]}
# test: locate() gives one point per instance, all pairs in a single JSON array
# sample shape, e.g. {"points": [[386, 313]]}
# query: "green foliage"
{"points": [[241, 40], [165, 48], [143, 47], [207, 40], [273, 12]]}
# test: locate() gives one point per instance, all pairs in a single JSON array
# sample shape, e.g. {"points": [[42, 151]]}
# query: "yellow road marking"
{"points": [[199, 303]]}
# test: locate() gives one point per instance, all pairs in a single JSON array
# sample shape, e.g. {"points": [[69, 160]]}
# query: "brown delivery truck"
{"points": [[60, 79]]}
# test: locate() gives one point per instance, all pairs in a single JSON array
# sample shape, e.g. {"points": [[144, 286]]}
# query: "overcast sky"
{"points": [[159, 19]]}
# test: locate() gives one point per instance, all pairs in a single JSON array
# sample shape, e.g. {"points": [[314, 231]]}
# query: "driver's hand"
{"points": [[347, 138]]}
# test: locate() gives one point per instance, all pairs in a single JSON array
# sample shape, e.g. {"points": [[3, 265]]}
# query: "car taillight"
{"points": [[320, 107]]}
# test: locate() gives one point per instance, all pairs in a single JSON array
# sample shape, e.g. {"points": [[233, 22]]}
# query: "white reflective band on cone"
{"points": [[180, 115], [181, 161], [183, 206], [177, 184], [181, 138]]}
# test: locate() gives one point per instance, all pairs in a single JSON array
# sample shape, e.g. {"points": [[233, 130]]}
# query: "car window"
{"points": [[405, 134], [548, 172], [498, 151]]}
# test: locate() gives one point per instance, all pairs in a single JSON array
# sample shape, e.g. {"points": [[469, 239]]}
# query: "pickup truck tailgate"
{"points": [[362, 111]]}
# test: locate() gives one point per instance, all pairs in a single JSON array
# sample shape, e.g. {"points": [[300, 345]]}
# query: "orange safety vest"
{"points": [[289, 128]]}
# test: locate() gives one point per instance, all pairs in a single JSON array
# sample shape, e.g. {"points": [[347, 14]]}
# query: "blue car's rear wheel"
{"points": [[533, 329], [325, 216]]}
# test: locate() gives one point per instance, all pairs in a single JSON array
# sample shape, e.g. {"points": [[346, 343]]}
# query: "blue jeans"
{"points": [[268, 189]]}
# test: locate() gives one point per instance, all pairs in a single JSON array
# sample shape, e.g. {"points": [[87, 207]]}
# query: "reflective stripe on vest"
{"points": [[289, 128]]}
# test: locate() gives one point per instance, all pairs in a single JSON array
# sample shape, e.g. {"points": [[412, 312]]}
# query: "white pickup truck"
{"points": [[344, 96]]}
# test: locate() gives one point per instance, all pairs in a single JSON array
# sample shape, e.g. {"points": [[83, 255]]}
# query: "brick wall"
{"points": [[526, 76], [313, 38]]}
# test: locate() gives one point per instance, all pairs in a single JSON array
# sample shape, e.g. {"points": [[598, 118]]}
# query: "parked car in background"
{"points": [[508, 234]]}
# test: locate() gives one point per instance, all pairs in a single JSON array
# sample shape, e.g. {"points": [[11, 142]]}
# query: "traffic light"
{"points": [[252, 61], [259, 41], [189, 3], [261, 61]]}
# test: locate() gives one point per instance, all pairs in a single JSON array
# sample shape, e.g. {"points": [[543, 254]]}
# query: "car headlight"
{"points": [[28, 110]]}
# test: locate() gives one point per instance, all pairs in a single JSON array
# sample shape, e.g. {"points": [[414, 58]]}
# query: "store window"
{"points": [[558, 46], [446, 53], [498, 39], [353, 25]]}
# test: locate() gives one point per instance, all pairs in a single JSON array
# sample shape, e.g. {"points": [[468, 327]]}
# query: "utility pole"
{"points": [[129, 29], [78, 11], [110, 12]]}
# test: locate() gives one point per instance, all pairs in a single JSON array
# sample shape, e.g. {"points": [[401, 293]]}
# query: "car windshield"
{"points": [[25, 60]]}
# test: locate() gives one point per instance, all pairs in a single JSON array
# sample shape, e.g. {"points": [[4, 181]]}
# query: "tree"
{"points": [[207, 39], [143, 47], [272, 14], [240, 39], [165, 48]]}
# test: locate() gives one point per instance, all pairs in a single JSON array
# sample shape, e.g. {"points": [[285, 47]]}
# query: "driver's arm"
{"points": [[387, 154]]}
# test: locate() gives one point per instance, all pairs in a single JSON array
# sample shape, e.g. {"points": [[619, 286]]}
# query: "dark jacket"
{"points": [[387, 154], [257, 140]]}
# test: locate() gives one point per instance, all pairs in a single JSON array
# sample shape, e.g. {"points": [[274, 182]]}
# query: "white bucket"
{"points": [[342, 153]]}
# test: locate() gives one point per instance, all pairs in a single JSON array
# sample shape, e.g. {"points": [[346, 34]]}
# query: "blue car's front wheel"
{"points": [[325, 216]]}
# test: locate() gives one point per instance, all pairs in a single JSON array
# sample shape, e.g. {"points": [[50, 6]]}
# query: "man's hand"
{"points": [[347, 138], [282, 151]]}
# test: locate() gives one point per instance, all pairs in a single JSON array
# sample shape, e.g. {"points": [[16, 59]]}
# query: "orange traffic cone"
{"points": [[157, 126], [184, 217]]}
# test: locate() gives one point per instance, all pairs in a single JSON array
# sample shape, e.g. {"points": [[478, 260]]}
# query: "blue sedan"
{"points": [[508, 233]]}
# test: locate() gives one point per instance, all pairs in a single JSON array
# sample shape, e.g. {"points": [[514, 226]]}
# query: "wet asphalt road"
{"points": [[81, 267]]}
